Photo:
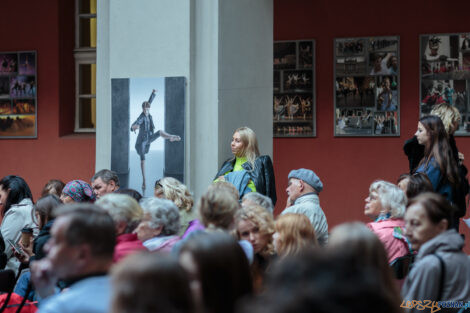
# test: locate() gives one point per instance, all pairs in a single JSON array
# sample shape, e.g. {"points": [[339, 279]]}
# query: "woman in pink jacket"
{"points": [[386, 205]]}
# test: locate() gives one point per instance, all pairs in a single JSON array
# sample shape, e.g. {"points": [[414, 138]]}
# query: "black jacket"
{"points": [[262, 175]]}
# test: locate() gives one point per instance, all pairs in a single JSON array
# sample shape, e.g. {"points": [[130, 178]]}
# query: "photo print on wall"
{"points": [[366, 86], [148, 117], [445, 75], [18, 99], [294, 89]]}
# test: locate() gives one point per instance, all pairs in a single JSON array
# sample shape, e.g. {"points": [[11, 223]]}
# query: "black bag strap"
{"points": [[443, 274]]}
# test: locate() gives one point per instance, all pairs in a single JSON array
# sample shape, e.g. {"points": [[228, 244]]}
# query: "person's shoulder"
{"points": [[264, 159]]}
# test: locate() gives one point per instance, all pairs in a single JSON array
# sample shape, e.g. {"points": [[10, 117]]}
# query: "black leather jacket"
{"points": [[262, 175]]}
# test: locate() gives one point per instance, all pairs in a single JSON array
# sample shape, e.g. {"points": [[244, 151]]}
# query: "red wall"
{"points": [[47, 27], [347, 166]]}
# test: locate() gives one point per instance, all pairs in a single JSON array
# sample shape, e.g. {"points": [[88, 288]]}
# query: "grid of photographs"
{"points": [[18, 99], [294, 92], [445, 75], [367, 86]]}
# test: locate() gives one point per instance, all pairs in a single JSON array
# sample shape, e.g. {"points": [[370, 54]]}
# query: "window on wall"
{"points": [[85, 65]]}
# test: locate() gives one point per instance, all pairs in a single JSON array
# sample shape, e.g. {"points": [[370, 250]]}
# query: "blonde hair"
{"points": [[217, 208], [448, 114], [177, 192], [295, 234], [250, 144], [122, 208], [225, 185], [263, 220]]}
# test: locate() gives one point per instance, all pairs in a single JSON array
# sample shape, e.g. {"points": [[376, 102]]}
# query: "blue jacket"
{"points": [[440, 184]]}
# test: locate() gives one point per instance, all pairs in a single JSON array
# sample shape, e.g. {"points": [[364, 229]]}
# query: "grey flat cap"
{"points": [[307, 176]]}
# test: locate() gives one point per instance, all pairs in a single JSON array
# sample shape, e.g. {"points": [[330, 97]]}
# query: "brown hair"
{"points": [[149, 282], [295, 234], [436, 206], [217, 208]]}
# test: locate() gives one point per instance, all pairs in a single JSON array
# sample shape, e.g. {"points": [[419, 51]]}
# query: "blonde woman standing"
{"points": [[246, 157]]}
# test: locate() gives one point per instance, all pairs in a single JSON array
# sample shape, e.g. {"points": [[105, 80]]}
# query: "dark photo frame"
{"points": [[445, 75], [18, 94], [367, 86], [294, 89]]}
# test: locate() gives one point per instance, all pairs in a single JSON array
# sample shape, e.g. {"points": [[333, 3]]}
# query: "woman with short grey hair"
{"points": [[255, 198], [160, 224], [386, 205], [126, 214]]}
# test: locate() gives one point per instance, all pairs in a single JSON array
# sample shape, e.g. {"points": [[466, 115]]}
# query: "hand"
{"points": [[135, 127], [175, 138], [461, 157], [221, 178], [289, 202], [43, 277]]}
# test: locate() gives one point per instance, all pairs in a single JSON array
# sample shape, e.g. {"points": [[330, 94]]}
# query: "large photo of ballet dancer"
{"points": [[366, 84], [18, 98], [148, 122], [445, 75], [294, 89]]}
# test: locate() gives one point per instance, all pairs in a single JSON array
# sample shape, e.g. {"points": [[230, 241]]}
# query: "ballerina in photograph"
{"points": [[147, 134]]}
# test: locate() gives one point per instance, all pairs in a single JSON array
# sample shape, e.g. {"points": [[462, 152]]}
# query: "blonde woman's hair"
{"points": [[250, 144], [295, 234], [263, 220], [177, 192], [122, 208], [217, 208], [448, 114], [391, 197]]}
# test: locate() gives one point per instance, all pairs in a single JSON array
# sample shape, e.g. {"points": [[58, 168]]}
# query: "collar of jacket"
{"points": [[311, 196]]}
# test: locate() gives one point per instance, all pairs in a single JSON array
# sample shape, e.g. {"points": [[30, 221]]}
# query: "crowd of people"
{"points": [[99, 247]]}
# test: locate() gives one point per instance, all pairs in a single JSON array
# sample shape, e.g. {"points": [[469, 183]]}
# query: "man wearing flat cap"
{"points": [[303, 189]]}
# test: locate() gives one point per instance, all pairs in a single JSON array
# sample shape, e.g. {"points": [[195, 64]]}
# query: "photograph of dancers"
{"points": [[147, 134]]}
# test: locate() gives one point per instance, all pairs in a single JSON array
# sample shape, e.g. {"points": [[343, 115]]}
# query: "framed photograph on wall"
{"points": [[18, 95], [445, 75], [366, 86], [294, 89]]}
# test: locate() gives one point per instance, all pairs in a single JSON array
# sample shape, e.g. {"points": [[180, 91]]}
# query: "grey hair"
{"points": [[122, 208], [106, 176], [391, 197], [260, 199], [163, 213]]}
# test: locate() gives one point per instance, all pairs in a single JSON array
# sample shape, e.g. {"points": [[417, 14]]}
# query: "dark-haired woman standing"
{"points": [[15, 211], [438, 162]]}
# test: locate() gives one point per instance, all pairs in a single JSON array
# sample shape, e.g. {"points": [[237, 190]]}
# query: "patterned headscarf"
{"points": [[79, 191]]}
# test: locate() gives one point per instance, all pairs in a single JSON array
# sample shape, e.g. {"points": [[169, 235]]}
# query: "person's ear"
{"points": [[120, 227], [301, 185], [157, 231], [112, 183], [443, 225]]}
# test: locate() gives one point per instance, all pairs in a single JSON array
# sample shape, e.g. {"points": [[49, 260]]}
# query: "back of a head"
{"points": [[223, 270], [259, 199], [323, 282], [91, 225], [295, 233], [417, 184], [163, 213], [53, 186], [177, 192], [449, 115], [106, 175], [225, 185], [130, 192], [358, 243], [46, 205], [217, 208], [148, 283], [18, 190], [122, 208]]}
